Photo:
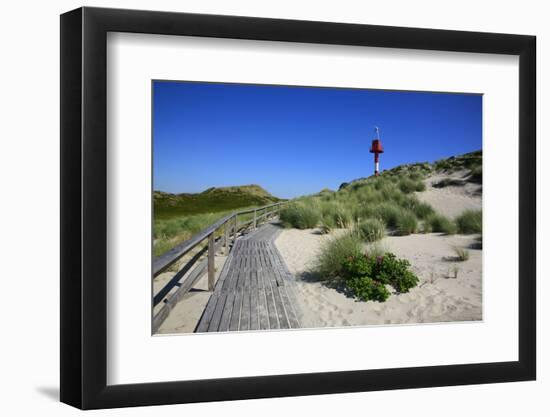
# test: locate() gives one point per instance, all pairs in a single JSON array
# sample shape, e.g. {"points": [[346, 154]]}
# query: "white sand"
{"points": [[451, 200], [439, 297], [185, 316]]}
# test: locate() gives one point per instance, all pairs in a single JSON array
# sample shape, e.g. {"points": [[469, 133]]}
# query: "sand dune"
{"points": [[451, 200], [439, 297]]}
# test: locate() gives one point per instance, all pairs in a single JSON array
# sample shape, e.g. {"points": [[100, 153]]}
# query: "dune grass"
{"points": [[438, 223], [300, 215], [406, 223], [470, 221], [461, 254], [329, 262], [371, 230], [168, 233]]}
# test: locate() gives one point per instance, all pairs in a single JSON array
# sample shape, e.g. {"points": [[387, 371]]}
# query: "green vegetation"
{"points": [[329, 264], [406, 223], [301, 215], [212, 200], [471, 162], [439, 224], [177, 217], [469, 222], [461, 254], [366, 276], [371, 230], [476, 175], [446, 182]]}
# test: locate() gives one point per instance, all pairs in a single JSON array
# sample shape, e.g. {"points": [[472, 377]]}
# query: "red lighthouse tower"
{"points": [[376, 149]]}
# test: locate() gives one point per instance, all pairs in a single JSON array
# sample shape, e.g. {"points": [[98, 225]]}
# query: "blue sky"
{"points": [[298, 140]]}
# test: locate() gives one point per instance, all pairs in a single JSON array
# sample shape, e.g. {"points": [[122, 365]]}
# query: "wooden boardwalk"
{"points": [[255, 290]]}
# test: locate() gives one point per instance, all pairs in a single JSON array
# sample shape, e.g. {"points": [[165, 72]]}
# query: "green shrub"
{"points": [[300, 216], [446, 182], [407, 185], [406, 223], [371, 230], [366, 275], [388, 213], [420, 209], [438, 223], [476, 175], [420, 186], [469, 222], [365, 289], [336, 214], [329, 263]]}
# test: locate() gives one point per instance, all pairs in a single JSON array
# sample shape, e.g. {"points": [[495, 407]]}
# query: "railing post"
{"points": [[254, 218], [211, 266], [235, 229], [226, 238]]}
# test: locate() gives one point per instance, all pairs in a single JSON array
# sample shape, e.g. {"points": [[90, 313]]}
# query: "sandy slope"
{"points": [[438, 298], [452, 200]]}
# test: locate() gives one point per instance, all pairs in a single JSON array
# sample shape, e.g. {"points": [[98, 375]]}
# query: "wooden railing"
{"points": [[183, 279]]}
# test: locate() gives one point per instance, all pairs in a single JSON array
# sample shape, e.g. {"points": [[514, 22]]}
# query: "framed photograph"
{"points": [[256, 208]]}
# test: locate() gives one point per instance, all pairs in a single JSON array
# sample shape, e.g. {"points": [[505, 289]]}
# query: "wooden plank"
{"points": [[236, 312], [291, 316], [204, 321], [162, 262], [226, 314], [211, 263], [254, 318], [226, 239], [271, 309], [216, 317], [263, 317], [281, 312], [245, 312], [177, 276]]}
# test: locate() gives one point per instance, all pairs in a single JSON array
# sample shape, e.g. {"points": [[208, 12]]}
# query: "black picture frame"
{"points": [[84, 207]]}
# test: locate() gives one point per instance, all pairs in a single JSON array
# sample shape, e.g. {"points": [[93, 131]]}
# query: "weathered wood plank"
{"points": [[236, 313], [245, 312], [257, 288], [218, 311], [263, 317], [204, 322], [254, 318], [281, 312], [226, 314], [211, 263]]}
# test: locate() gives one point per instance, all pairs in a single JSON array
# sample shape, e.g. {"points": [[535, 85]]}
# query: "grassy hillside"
{"points": [[180, 216], [374, 206], [212, 200], [470, 162]]}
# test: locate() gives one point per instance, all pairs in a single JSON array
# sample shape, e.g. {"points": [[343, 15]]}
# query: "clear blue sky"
{"points": [[299, 140]]}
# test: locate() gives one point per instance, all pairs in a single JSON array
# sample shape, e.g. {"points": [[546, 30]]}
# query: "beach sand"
{"points": [[439, 297], [451, 200], [185, 316]]}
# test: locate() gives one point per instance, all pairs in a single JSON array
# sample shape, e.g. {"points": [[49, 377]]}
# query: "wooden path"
{"points": [[255, 290]]}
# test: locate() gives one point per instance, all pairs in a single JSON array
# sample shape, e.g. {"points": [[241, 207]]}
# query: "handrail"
{"points": [[164, 261]]}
